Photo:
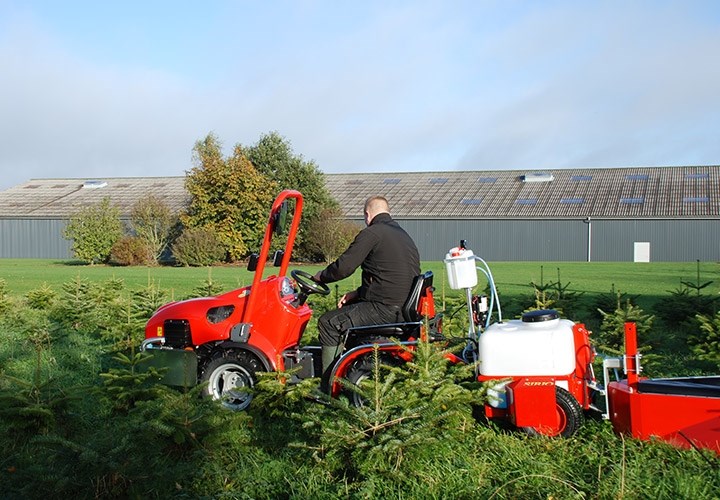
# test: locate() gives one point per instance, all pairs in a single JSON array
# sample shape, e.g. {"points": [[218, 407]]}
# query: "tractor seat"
{"points": [[411, 316]]}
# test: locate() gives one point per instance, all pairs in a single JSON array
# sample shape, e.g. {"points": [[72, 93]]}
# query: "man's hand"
{"points": [[317, 277], [347, 298]]}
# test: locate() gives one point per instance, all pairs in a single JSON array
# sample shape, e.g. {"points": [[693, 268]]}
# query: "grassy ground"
{"points": [[648, 281]]}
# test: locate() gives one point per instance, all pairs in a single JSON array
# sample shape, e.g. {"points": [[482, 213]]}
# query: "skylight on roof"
{"points": [[487, 180], [391, 181], [538, 177], [632, 201], [696, 199], [572, 201], [471, 201], [94, 184], [697, 176], [526, 201], [637, 177], [438, 180]]}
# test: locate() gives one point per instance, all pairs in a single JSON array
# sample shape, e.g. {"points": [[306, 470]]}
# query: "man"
{"points": [[389, 260]]}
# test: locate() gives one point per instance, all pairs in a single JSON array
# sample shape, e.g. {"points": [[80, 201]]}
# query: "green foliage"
{"points": [[706, 345], [273, 157], [125, 386], [411, 413], [208, 288], [154, 224], [415, 438], [228, 197], [131, 251], [28, 408], [5, 301], [329, 234], [198, 247], [75, 310], [612, 330], [41, 298], [554, 295], [93, 231]]}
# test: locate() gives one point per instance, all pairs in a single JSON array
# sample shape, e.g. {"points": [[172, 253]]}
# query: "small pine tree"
{"points": [[612, 330], [706, 345]]}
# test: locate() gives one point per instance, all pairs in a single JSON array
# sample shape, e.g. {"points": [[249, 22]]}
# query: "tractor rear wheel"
{"points": [[230, 378], [569, 417], [362, 373]]}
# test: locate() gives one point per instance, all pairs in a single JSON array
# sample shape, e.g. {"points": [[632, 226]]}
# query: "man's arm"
{"points": [[350, 260]]}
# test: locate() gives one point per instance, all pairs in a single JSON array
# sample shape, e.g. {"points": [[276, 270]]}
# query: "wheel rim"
{"points": [[229, 383], [561, 422], [355, 398]]}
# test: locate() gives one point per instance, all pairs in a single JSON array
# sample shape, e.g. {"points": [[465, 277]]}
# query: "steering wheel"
{"points": [[306, 283]]}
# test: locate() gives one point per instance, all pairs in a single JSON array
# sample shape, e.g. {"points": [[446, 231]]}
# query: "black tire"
{"points": [[230, 377], [363, 370], [570, 416]]}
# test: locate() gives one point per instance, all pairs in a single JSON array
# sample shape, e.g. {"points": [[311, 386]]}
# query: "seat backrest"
{"points": [[410, 308]]}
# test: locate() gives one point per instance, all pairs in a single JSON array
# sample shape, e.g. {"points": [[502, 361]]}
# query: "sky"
{"points": [[92, 89]]}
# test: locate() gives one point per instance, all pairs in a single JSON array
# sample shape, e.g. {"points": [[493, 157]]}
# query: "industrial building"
{"points": [[603, 214]]}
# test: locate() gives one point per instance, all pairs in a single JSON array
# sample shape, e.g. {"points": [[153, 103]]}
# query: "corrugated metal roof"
{"points": [[642, 192], [63, 197]]}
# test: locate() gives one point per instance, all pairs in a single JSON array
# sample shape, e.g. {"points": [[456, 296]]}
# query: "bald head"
{"points": [[375, 205]]}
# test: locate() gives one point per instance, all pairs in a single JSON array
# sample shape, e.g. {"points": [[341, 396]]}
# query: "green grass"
{"points": [[646, 280]]}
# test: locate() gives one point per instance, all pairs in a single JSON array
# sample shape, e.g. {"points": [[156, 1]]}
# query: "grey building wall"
{"points": [[492, 239], [34, 239], [567, 240]]}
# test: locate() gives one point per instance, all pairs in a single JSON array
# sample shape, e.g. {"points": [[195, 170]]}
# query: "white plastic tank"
{"points": [[539, 344], [460, 267]]}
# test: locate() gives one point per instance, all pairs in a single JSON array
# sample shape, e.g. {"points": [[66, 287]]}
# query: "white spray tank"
{"points": [[460, 267], [539, 344]]}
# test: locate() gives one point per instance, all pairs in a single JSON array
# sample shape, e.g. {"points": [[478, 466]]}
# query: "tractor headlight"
{"points": [[286, 288]]}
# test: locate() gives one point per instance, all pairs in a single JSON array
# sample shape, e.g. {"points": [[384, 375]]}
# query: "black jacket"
{"points": [[389, 260]]}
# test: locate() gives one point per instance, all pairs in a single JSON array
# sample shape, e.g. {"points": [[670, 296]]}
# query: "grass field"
{"points": [[647, 281]]}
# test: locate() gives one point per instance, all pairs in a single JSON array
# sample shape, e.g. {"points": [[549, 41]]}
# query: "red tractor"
{"points": [[225, 340]]}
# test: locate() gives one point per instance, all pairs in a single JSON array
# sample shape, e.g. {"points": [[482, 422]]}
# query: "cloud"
{"points": [[371, 87]]}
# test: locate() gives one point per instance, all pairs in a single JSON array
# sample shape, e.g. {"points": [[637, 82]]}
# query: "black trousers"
{"points": [[333, 325]]}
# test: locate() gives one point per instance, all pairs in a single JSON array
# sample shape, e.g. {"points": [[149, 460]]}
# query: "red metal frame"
{"points": [[683, 420]]}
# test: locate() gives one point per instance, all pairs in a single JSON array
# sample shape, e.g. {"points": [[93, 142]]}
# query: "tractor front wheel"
{"points": [[230, 378], [569, 417]]}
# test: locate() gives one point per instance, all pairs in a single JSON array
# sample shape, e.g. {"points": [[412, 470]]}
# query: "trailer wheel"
{"points": [[569, 417], [230, 377], [361, 373]]}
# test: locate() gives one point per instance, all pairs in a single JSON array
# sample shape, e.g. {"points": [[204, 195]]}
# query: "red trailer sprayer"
{"points": [[539, 367], [541, 377]]}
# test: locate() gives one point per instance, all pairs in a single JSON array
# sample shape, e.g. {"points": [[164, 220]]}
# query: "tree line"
{"points": [[225, 218]]}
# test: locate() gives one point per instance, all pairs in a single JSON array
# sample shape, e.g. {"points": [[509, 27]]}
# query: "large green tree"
{"points": [[228, 196], [93, 231], [273, 156]]}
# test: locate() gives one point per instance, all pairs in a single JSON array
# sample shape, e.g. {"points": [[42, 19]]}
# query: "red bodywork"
{"points": [[531, 400], [684, 412], [275, 324]]}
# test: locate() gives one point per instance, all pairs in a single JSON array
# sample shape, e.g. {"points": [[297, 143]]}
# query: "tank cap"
{"points": [[540, 315]]}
